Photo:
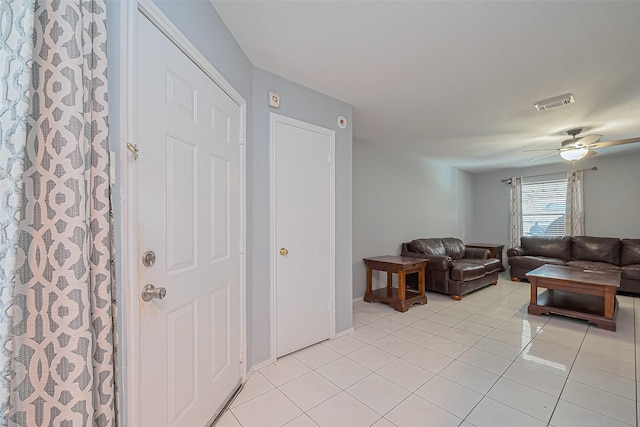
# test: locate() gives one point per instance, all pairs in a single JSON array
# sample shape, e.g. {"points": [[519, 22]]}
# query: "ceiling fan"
{"points": [[576, 148]]}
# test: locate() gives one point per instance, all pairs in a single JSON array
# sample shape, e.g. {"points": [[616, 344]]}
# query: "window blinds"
{"points": [[543, 207]]}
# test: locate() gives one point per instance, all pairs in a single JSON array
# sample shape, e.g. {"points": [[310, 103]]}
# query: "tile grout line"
{"points": [[449, 327], [411, 393], [501, 376], [568, 374]]}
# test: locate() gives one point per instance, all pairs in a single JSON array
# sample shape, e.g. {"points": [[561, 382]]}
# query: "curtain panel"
{"points": [[574, 216], [515, 212], [16, 29], [58, 314]]}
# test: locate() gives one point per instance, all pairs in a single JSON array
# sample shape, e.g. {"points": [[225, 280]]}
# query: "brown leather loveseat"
{"points": [[453, 269], [586, 252]]}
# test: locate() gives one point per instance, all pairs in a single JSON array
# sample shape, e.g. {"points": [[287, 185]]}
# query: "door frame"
{"points": [[128, 290], [278, 118]]}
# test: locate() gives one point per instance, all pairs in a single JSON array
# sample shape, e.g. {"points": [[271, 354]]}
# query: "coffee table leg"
{"points": [[421, 282], [389, 280], [534, 291], [401, 285], [609, 304]]}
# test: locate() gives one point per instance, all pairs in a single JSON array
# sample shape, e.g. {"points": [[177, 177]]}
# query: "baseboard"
{"points": [[268, 362], [343, 333], [260, 366], [358, 299]]}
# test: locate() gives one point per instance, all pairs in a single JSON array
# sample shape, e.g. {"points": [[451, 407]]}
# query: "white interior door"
{"points": [[303, 215], [189, 212]]}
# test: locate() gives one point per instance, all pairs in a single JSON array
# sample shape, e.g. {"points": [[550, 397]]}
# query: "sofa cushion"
{"points": [[491, 265], [464, 271], [631, 272], [630, 251], [531, 262], [427, 246], [600, 249], [453, 247], [552, 247], [593, 265]]}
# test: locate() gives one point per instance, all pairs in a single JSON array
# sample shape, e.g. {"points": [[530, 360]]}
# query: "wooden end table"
{"points": [[399, 298], [495, 251], [574, 292]]}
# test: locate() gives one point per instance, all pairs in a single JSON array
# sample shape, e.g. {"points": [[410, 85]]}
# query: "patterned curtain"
{"points": [[515, 218], [57, 312], [16, 28], [574, 217]]}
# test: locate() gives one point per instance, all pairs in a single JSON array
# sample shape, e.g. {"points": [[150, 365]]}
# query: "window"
{"points": [[543, 207]]}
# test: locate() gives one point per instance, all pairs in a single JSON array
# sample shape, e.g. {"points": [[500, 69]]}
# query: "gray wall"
{"points": [[398, 197], [309, 106], [611, 198], [200, 23]]}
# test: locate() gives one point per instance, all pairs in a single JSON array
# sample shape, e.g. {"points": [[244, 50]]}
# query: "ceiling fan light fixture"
{"points": [[574, 154]]}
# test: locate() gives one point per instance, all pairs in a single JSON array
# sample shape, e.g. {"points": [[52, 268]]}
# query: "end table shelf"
{"points": [[399, 298]]}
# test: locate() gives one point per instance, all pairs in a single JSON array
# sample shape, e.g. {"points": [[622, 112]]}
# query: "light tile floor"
{"points": [[479, 362]]}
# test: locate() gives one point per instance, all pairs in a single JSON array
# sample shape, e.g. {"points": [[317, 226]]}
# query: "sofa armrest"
{"points": [[436, 262], [517, 251], [476, 253]]}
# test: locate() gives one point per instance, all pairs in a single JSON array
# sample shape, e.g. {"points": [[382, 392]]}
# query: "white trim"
{"points": [[273, 119], [260, 365], [129, 178], [243, 240], [159, 19], [358, 299], [343, 333]]}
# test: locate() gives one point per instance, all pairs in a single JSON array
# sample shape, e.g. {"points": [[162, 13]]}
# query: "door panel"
{"points": [[182, 330], [182, 204], [189, 211], [303, 227], [219, 207], [220, 319]]}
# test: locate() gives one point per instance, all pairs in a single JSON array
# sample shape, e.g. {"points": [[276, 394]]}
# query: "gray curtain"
{"points": [[57, 309], [515, 212], [16, 27], [574, 216]]}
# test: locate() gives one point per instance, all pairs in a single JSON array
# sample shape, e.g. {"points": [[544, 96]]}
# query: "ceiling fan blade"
{"points": [[590, 153], [614, 142], [590, 139], [542, 157], [541, 149]]}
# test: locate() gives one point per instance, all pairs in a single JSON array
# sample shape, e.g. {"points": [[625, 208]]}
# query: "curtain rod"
{"points": [[508, 180]]}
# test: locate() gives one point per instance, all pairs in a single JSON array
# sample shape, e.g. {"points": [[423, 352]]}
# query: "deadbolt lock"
{"points": [[148, 258], [283, 251]]}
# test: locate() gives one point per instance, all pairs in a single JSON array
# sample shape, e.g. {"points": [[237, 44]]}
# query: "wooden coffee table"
{"points": [[574, 292], [399, 298]]}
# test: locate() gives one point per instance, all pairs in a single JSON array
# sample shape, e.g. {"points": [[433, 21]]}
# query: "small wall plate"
{"points": [[274, 99], [342, 122]]}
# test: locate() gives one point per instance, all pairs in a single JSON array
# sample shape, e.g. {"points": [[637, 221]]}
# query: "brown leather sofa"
{"points": [[586, 252], [453, 269]]}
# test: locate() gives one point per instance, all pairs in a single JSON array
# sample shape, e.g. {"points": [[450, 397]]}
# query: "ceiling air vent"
{"points": [[556, 101]]}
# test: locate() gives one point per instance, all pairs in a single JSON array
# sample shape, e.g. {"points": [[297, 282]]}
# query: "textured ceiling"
{"points": [[456, 81]]}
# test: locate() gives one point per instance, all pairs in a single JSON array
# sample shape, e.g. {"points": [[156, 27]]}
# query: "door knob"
{"points": [[150, 292], [283, 251]]}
